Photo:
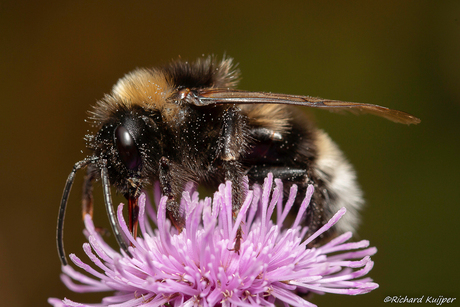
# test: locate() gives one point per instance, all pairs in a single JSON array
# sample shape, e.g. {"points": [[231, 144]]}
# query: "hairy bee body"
{"points": [[185, 122], [204, 143]]}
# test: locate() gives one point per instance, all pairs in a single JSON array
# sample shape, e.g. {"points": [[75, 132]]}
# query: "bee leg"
{"points": [[234, 174], [87, 198], [172, 206], [238, 238], [282, 172], [317, 213], [111, 211], [231, 146]]}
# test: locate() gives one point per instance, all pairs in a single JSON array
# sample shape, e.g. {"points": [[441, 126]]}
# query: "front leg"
{"points": [[167, 188]]}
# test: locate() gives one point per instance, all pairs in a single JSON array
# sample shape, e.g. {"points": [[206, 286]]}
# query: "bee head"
{"points": [[128, 142]]}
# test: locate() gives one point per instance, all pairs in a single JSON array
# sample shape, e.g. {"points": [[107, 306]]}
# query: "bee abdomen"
{"points": [[340, 182]]}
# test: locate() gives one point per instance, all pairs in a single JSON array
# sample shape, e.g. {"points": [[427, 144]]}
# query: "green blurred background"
{"points": [[58, 58]]}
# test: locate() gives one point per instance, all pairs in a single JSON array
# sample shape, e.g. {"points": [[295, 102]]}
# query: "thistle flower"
{"points": [[199, 266]]}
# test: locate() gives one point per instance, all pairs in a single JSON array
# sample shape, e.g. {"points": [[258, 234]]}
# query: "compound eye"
{"points": [[127, 149]]}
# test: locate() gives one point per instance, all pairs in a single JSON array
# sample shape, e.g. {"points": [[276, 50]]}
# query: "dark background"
{"points": [[58, 59]]}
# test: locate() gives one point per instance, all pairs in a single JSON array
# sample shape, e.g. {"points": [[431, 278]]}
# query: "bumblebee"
{"points": [[186, 122]]}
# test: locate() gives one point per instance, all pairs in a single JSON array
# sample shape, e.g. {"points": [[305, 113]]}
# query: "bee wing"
{"points": [[230, 96]]}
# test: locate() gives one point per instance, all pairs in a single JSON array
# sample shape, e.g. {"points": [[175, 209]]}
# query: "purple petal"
{"points": [[199, 267]]}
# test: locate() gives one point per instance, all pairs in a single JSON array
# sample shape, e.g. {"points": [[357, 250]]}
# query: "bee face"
{"points": [[129, 142], [184, 122]]}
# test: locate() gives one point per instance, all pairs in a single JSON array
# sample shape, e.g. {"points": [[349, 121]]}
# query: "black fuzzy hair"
{"points": [[204, 72]]}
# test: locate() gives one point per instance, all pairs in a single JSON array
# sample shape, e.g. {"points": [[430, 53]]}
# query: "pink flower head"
{"points": [[199, 267]]}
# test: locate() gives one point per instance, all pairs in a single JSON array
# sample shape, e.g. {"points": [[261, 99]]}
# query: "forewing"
{"points": [[228, 96]]}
